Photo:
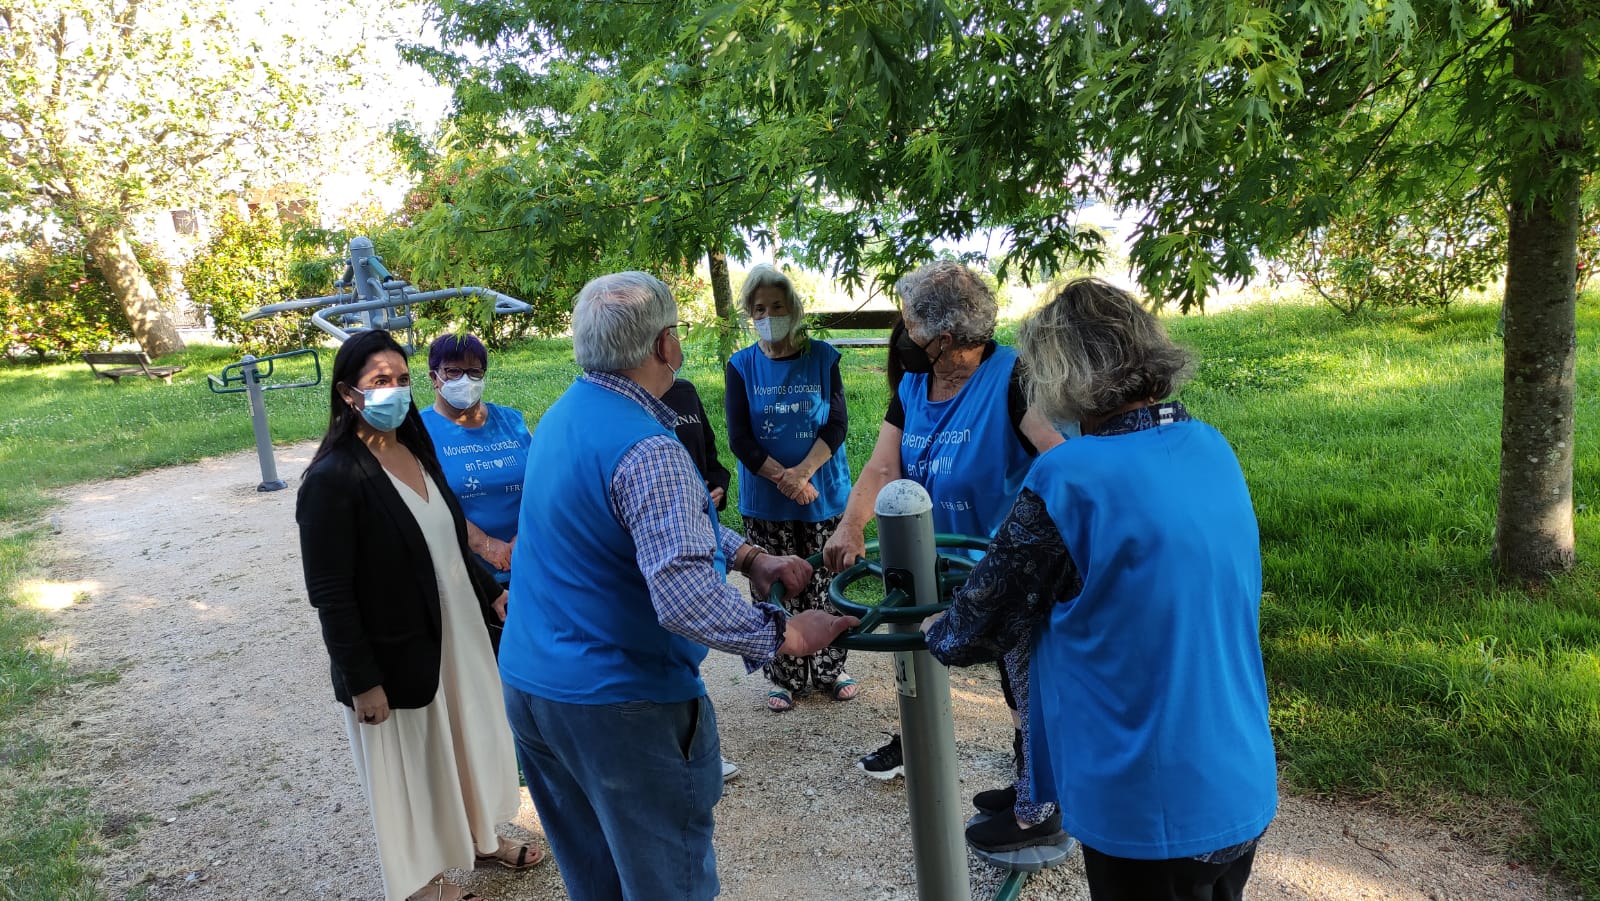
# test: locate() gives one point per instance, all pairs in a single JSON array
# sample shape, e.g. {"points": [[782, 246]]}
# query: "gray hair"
{"points": [[616, 319], [767, 276], [946, 296], [1092, 348]]}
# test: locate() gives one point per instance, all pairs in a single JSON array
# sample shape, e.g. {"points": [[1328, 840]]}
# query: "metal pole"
{"points": [[258, 422], [909, 554], [367, 287], [1011, 888]]}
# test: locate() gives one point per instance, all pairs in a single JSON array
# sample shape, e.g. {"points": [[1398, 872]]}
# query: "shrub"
{"points": [[53, 302], [1423, 257], [247, 264]]}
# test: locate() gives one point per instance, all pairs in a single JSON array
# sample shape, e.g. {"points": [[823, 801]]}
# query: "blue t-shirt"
{"points": [[485, 467], [789, 404], [964, 450]]}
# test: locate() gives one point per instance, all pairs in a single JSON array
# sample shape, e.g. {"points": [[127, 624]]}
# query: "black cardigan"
{"points": [[694, 430], [370, 577]]}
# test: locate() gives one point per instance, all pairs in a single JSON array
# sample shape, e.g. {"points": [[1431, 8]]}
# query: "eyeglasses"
{"points": [[451, 373]]}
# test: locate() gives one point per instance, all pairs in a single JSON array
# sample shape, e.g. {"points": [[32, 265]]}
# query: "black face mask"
{"points": [[913, 356]]}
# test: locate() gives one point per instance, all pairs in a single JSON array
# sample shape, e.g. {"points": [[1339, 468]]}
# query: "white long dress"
{"points": [[438, 779]]}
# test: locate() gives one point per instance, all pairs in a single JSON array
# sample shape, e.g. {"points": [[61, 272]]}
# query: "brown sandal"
{"points": [[527, 857], [438, 885]]}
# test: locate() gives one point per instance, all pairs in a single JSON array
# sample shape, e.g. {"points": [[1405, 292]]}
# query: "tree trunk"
{"points": [[722, 299], [1533, 523], [152, 325], [1533, 528]]}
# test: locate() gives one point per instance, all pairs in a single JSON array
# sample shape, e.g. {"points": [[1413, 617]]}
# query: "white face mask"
{"points": [[461, 393], [773, 328]]}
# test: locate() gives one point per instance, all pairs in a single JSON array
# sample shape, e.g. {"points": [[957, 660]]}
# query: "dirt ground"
{"points": [[219, 764]]}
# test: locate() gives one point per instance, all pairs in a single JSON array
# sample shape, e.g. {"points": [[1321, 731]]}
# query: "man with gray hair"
{"points": [[615, 597]]}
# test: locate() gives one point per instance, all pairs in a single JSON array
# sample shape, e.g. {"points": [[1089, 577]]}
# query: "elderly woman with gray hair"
{"points": [[786, 426], [957, 424], [1130, 564], [614, 609]]}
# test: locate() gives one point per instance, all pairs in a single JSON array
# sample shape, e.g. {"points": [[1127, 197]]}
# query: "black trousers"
{"points": [[1184, 879]]}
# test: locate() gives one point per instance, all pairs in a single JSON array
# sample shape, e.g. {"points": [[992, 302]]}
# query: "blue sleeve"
{"points": [[513, 421]]}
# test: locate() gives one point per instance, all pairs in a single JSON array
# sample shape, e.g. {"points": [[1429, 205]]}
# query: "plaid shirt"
{"points": [[659, 497]]}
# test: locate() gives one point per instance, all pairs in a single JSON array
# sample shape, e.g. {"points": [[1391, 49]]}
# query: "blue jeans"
{"points": [[625, 793]]}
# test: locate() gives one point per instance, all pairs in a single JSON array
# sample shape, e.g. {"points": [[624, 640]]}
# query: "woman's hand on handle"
{"points": [[845, 546], [848, 542], [371, 706]]}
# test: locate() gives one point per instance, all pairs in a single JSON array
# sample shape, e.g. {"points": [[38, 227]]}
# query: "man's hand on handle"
{"points": [[768, 569], [809, 631]]}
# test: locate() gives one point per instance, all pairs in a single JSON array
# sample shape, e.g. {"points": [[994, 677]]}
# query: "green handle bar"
{"points": [[894, 607]]}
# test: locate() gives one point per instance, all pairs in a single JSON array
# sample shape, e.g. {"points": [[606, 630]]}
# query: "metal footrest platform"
{"points": [[1026, 860]]}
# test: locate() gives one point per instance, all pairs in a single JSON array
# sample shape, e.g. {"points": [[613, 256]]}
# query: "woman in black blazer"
{"points": [[405, 610]]}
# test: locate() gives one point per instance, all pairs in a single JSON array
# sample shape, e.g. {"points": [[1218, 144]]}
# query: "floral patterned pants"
{"points": [[802, 539]]}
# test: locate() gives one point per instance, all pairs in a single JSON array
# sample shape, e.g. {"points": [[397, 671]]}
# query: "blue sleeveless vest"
{"points": [[1148, 698], [963, 450], [789, 403], [581, 628]]}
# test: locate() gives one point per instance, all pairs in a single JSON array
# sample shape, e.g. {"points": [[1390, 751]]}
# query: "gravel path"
{"points": [[220, 767]]}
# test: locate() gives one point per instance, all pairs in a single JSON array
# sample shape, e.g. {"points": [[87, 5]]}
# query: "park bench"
{"points": [[858, 319], [128, 363]]}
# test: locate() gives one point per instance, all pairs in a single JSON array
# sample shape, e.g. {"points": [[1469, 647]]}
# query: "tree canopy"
{"points": [[1230, 126], [113, 108]]}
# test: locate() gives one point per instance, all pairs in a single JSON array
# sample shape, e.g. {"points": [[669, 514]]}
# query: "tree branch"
{"points": [[1427, 86]]}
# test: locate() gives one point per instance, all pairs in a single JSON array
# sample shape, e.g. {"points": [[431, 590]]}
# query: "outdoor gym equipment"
{"points": [[917, 581], [378, 299], [249, 375]]}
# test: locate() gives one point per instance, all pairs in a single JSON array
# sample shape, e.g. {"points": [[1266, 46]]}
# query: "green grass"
{"points": [[46, 831], [1400, 671]]}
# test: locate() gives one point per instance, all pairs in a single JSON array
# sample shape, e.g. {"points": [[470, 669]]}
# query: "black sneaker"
{"points": [[885, 763], [1001, 833], [996, 800]]}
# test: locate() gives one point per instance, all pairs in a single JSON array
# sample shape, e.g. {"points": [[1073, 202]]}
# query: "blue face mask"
{"points": [[386, 408]]}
